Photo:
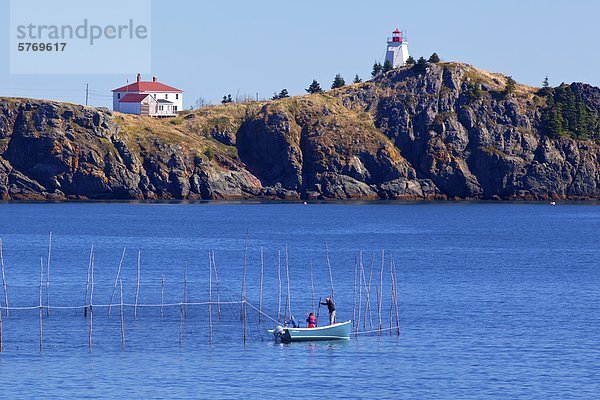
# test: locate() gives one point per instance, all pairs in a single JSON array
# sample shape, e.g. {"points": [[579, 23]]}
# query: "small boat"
{"points": [[338, 331]]}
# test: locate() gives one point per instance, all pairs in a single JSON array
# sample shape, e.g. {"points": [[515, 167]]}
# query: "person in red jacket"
{"points": [[311, 321]]}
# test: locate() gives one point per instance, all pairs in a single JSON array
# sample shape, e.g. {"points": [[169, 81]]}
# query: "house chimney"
{"points": [[153, 79], [139, 77]]}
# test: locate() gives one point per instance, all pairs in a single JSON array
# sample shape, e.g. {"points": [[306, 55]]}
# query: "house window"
{"points": [[174, 109], [166, 95], [118, 95], [177, 96]]}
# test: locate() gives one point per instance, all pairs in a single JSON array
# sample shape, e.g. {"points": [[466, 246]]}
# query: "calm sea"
{"points": [[495, 300]]}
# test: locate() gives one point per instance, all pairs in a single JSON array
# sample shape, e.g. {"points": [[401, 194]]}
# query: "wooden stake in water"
{"points": [[330, 273], [244, 305], [354, 302], [312, 285], [279, 283], [41, 306], [380, 297], [214, 265], [391, 294], [0, 329], [287, 277], [244, 318], [48, 276], [396, 298], [260, 289], [87, 283], [137, 287], [180, 324], [185, 291], [243, 298], [122, 315], [162, 294], [92, 305], [116, 281], [5, 292], [360, 285], [210, 303]]}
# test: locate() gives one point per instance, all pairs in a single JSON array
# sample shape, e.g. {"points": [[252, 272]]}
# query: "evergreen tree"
{"points": [[421, 65], [410, 60], [564, 96], [376, 69], [555, 122], [546, 89], [545, 84], [434, 58], [314, 87], [387, 66], [582, 123], [510, 86], [283, 94], [338, 82], [225, 100], [229, 99], [357, 79], [474, 90]]}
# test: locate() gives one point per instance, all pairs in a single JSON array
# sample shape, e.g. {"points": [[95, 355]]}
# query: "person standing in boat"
{"points": [[311, 321], [331, 308], [292, 322]]}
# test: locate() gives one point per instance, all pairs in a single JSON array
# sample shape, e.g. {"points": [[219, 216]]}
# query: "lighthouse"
{"points": [[397, 49]]}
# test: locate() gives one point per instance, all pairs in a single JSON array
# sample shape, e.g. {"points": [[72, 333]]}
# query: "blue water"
{"points": [[496, 300]]}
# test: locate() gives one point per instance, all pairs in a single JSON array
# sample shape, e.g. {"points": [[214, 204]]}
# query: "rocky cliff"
{"points": [[448, 131]]}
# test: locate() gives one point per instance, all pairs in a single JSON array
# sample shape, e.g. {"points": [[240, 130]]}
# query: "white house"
{"points": [[148, 98], [397, 49]]}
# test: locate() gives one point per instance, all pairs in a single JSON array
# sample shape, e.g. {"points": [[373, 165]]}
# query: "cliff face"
{"points": [[406, 135]]}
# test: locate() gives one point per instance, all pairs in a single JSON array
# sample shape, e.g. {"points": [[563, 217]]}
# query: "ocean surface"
{"points": [[495, 300]]}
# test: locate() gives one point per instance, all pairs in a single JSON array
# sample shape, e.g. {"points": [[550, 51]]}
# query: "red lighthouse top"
{"points": [[396, 36]]}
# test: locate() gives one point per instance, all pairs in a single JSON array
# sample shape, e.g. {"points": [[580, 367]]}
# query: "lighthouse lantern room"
{"points": [[397, 49]]}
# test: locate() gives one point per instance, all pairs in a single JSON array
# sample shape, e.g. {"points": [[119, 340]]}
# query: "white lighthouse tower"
{"points": [[397, 49]]}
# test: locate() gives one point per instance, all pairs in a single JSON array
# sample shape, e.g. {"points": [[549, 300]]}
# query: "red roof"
{"points": [[396, 31], [133, 98], [147, 86]]}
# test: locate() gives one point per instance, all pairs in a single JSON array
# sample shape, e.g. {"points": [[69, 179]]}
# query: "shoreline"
{"points": [[309, 202]]}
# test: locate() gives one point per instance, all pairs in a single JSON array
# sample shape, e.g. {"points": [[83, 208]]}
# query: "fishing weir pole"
{"points": [[41, 324], [5, 292], [116, 281], [48, 276]]}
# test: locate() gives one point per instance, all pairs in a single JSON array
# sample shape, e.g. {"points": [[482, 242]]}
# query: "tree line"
{"points": [[378, 69], [566, 114], [339, 81]]}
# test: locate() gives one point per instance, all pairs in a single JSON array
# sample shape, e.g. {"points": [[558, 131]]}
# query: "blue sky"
{"points": [[214, 48]]}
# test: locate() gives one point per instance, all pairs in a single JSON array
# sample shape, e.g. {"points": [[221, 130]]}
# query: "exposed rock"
{"points": [[404, 135]]}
